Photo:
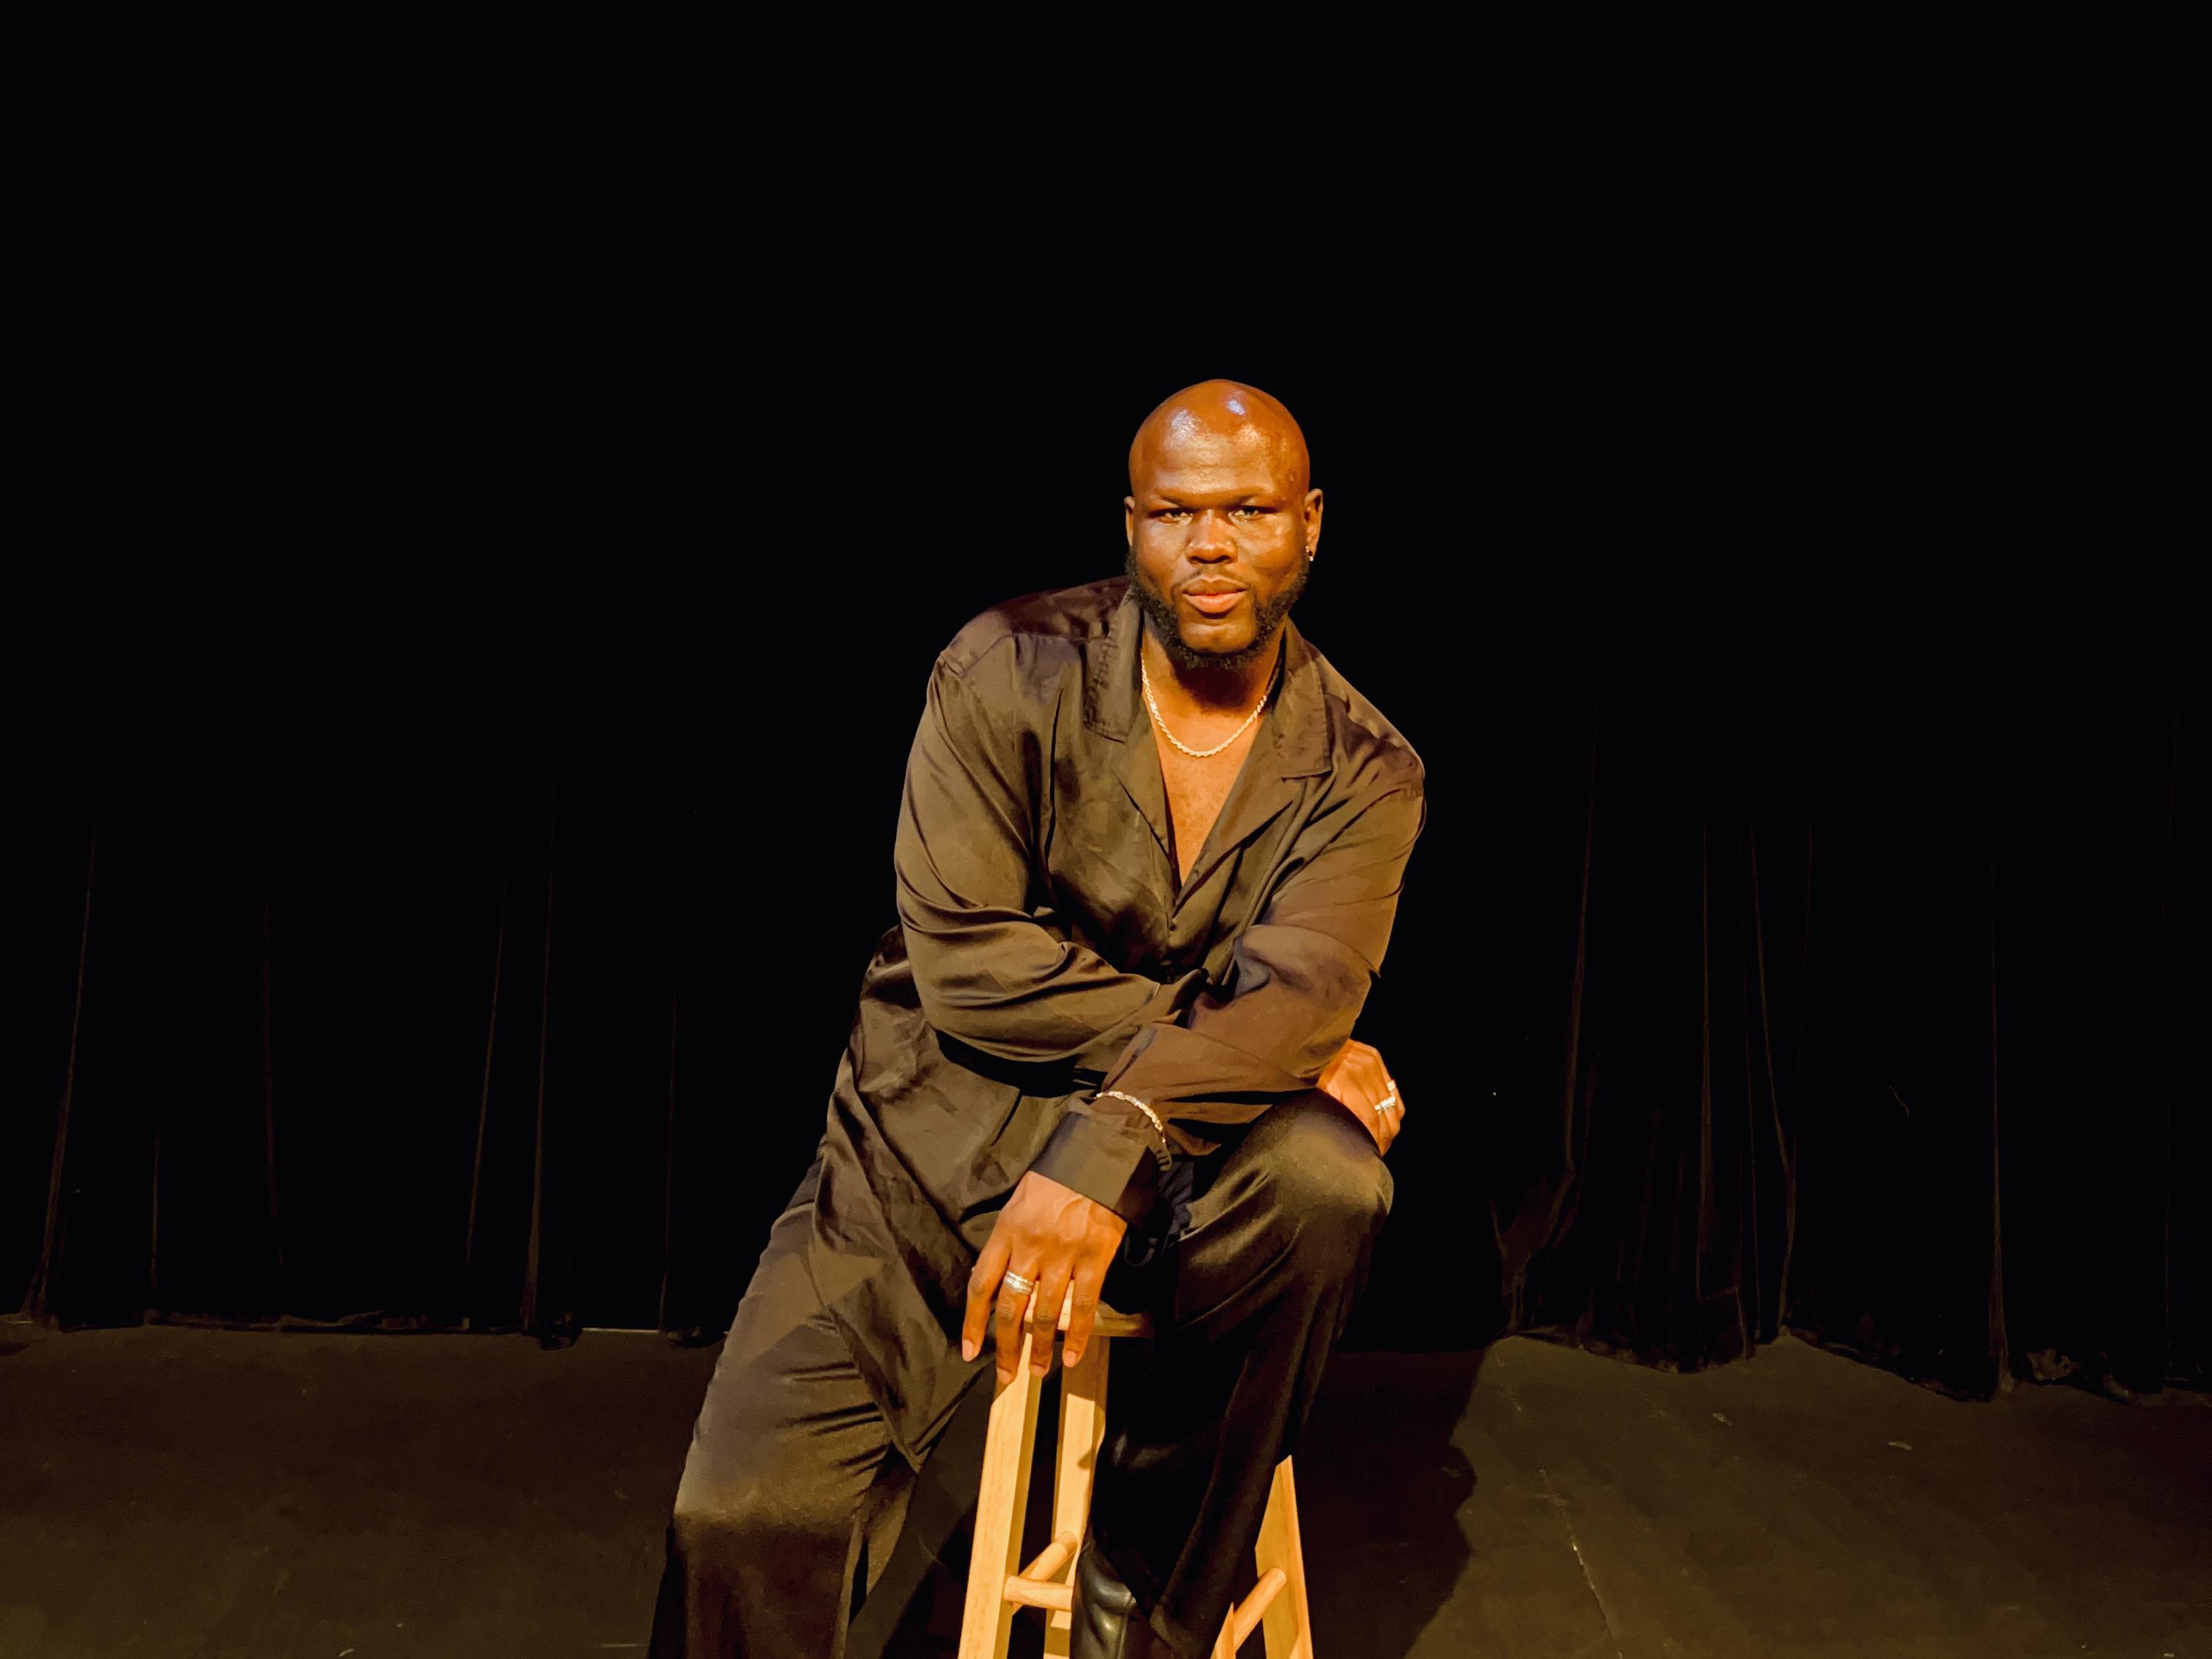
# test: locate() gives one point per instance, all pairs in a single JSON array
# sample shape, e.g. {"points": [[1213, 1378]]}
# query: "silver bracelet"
{"points": [[1165, 1152]]}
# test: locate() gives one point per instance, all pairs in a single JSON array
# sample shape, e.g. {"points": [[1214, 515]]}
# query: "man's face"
{"points": [[1218, 525]]}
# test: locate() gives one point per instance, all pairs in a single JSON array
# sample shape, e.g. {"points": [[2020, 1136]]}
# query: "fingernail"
{"points": [[967, 1348]]}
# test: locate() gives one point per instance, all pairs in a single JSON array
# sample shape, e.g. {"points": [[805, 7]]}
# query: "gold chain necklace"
{"points": [[1144, 676]]}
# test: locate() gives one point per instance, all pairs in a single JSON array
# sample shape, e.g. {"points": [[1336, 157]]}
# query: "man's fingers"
{"points": [[1044, 1317], [1090, 1279], [1007, 1323], [1359, 1078], [982, 1290], [1392, 1118]]}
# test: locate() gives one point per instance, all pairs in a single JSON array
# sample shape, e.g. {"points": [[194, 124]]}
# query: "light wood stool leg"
{"points": [[1082, 1432], [1288, 1625], [998, 1581], [1002, 1498]]}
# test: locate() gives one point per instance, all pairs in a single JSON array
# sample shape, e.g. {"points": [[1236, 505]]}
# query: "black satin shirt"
{"points": [[1045, 949]]}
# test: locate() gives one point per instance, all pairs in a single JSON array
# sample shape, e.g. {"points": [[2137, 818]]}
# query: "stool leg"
{"points": [[1082, 1432], [1288, 1625], [1001, 1498]]}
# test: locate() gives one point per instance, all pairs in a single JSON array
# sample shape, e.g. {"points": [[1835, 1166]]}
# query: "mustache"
{"points": [[1269, 616]]}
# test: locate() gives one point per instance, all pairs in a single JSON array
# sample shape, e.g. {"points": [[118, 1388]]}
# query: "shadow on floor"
{"points": [[1383, 1545]]}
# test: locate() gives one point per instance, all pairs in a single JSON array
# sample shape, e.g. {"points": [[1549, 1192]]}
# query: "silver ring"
{"points": [[1020, 1286], [1387, 1101]]}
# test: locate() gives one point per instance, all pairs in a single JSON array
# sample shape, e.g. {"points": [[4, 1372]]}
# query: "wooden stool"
{"points": [[998, 1582]]}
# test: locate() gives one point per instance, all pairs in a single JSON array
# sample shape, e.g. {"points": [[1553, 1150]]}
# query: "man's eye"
{"points": [[1244, 511], [1172, 514]]}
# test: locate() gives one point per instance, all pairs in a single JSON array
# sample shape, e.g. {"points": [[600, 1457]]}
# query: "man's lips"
{"points": [[1216, 603]]}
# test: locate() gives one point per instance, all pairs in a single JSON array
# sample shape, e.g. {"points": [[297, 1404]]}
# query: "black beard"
{"points": [[1161, 609]]}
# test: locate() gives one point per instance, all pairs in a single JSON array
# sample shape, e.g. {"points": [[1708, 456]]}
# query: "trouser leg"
{"points": [[1280, 1230], [762, 1547]]}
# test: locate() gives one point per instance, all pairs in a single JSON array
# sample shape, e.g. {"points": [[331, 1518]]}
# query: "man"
{"points": [[1149, 853]]}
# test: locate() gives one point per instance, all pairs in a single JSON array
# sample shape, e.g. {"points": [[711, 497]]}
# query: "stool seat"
{"points": [[999, 1582], [1109, 1322]]}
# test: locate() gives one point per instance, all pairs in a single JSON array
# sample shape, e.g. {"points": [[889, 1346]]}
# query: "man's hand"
{"points": [[1359, 1079], [1056, 1235]]}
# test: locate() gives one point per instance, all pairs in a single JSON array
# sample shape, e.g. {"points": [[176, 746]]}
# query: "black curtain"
{"points": [[399, 949]]}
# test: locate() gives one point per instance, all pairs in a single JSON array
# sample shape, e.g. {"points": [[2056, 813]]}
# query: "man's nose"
{"points": [[1210, 538]]}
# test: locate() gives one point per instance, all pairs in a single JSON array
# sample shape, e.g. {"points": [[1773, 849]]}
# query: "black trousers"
{"points": [[1255, 1261]]}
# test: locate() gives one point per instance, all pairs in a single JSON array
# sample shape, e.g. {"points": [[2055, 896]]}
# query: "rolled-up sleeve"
{"points": [[1296, 982], [988, 968]]}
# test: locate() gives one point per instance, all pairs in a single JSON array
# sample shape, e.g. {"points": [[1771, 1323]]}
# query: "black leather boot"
{"points": [[1106, 1621]]}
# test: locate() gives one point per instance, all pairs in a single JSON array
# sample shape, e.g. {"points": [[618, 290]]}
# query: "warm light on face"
{"points": [[1220, 522]]}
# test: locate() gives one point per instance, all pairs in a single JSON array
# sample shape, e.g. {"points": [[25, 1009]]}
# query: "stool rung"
{"points": [[1031, 1593], [1245, 1618], [1050, 1559], [1033, 1586]]}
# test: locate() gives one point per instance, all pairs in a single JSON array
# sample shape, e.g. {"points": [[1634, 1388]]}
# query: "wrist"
{"points": [[1163, 1154], [1111, 1158]]}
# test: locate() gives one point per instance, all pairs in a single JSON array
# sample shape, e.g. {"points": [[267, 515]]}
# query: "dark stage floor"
{"points": [[181, 1494]]}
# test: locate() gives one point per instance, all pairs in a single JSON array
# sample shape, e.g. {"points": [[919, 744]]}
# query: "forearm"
{"points": [[1004, 984]]}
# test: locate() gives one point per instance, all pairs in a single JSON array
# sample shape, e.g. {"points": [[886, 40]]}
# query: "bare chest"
{"points": [[1196, 790]]}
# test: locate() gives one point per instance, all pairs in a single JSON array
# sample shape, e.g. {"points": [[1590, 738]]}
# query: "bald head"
{"points": [[1217, 422], [1223, 521]]}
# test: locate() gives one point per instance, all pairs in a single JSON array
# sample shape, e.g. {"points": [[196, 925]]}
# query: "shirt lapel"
{"points": [[1110, 694]]}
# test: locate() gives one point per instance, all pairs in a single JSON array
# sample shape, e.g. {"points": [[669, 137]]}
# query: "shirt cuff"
{"points": [[1113, 1161]]}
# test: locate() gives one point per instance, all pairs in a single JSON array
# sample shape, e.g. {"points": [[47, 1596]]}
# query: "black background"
{"points": [[1816, 638]]}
